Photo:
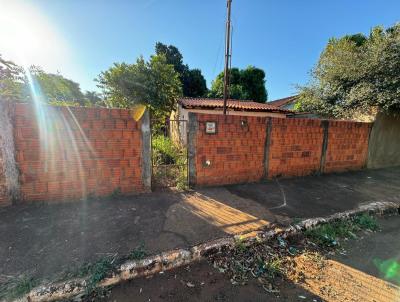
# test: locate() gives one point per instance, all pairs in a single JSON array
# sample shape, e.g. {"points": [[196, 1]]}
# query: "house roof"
{"points": [[240, 105], [284, 101]]}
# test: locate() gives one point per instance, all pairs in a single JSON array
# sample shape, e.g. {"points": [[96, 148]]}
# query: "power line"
{"points": [[217, 59], [227, 53], [230, 67]]}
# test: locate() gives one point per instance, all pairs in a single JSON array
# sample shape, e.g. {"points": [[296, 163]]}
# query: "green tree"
{"points": [[356, 74], [93, 98], [11, 81], [154, 83], [245, 84], [193, 81], [57, 90], [52, 88], [172, 55]]}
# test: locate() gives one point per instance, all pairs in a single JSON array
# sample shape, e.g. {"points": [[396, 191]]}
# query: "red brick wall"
{"points": [[87, 151], [295, 147], [347, 146], [236, 152]]}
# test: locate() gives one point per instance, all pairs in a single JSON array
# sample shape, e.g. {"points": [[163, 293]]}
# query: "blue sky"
{"points": [[283, 37]]}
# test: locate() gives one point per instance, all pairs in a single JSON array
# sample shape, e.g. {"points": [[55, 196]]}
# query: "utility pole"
{"points": [[227, 53]]}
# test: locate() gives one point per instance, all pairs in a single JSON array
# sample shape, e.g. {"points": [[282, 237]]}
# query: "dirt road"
{"points": [[356, 273]]}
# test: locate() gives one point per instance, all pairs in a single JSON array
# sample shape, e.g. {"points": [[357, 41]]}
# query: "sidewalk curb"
{"points": [[178, 257]]}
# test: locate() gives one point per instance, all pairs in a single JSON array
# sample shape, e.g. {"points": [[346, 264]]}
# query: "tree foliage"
{"points": [[94, 98], [11, 81], [51, 88], [193, 81], [154, 83], [356, 74], [56, 89], [245, 84]]}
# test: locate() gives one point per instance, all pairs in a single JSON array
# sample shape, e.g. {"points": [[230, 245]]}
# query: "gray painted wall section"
{"points": [[384, 142], [192, 131], [325, 127], [266, 146], [9, 168], [146, 150]]}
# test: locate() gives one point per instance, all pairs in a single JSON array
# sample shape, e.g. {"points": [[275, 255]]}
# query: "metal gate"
{"points": [[169, 154]]}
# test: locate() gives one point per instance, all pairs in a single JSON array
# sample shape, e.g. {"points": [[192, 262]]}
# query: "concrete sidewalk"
{"points": [[43, 240]]}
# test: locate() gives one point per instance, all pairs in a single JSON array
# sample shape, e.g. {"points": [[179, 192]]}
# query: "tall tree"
{"points": [[154, 83], [245, 84], [356, 74], [172, 55], [193, 82]]}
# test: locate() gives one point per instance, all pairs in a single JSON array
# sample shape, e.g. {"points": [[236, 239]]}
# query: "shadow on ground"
{"points": [[322, 195], [43, 240]]}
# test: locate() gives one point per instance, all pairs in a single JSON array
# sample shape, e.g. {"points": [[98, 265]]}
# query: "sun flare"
{"points": [[28, 37]]}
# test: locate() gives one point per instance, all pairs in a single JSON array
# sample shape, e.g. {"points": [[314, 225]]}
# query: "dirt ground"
{"points": [[354, 273], [208, 285]]}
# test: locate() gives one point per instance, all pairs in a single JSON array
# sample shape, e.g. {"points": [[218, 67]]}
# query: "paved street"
{"points": [[42, 240]]}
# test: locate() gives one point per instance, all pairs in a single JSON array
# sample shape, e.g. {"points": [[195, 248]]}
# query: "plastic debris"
{"points": [[190, 284]]}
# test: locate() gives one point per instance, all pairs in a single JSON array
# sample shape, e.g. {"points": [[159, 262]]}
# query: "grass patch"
{"points": [[98, 271], [327, 235], [138, 253], [17, 287], [366, 222]]}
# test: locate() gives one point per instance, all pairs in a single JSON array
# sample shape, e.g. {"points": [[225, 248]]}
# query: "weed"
{"points": [[165, 152], [328, 234], [366, 222], [138, 253], [95, 272], [17, 287], [274, 267], [116, 193], [182, 181], [81, 272], [171, 160], [296, 220], [240, 245]]}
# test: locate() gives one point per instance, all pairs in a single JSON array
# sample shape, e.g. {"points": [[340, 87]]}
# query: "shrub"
{"points": [[164, 151]]}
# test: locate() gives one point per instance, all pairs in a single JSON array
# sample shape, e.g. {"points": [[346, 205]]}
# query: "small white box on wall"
{"points": [[211, 127]]}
